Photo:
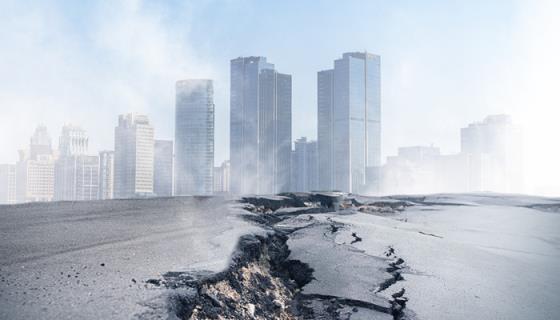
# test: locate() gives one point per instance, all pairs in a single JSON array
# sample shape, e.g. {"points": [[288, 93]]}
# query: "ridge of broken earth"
{"points": [[260, 283], [267, 204]]}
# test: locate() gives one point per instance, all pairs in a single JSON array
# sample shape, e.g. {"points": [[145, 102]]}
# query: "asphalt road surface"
{"points": [[83, 260]]}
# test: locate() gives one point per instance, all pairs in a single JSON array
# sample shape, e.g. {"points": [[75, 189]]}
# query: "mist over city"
{"points": [[279, 160]]}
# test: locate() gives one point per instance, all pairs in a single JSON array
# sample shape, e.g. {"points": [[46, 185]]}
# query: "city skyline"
{"points": [[464, 80]]}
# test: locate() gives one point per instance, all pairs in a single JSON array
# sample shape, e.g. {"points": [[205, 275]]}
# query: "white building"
{"points": [[495, 151], [134, 157], [7, 183], [35, 169], [221, 178], [76, 173], [305, 166], [106, 174]]}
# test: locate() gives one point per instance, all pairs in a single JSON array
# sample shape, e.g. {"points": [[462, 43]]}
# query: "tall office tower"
{"points": [[134, 157], [305, 166], [221, 178], [349, 123], [76, 174], [76, 178], [495, 151], [7, 183], [35, 169], [194, 137], [260, 127], [106, 174], [40, 143], [325, 128], [163, 168], [73, 141]]}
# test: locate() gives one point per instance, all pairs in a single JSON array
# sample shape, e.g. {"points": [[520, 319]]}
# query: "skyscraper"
{"points": [[76, 173], [163, 168], [349, 122], [106, 174], [35, 169], [194, 137], [260, 127], [73, 141], [305, 166], [134, 157]]}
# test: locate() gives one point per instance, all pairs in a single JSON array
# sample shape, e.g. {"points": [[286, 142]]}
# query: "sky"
{"points": [[444, 64]]}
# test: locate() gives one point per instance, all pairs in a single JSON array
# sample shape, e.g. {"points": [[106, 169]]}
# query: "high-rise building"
{"points": [[76, 178], [194, 137], [163, 168], [106, 174], [495, 151], [349, 123], [35, 169], [305, 166], [40, 143], [76, 174], [134, 157], [221, 178], [73, 141], [260, 127], [7, 183]]}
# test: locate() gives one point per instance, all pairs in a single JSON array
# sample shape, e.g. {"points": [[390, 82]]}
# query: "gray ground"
{"points": [[88, 260], [466, 256]]}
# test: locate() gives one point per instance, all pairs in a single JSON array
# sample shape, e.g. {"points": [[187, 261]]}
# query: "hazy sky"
{"points": [[444, 64]]}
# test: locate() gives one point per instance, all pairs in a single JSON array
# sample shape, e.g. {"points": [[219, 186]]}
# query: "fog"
{"points": [[443, 66]]}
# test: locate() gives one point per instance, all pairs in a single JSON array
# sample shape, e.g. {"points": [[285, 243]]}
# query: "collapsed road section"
{"points": [[296, 269]]}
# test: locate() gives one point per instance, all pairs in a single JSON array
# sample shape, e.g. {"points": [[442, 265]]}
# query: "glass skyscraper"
{"points": [[194, 137], [260, 127], [349, 123]]}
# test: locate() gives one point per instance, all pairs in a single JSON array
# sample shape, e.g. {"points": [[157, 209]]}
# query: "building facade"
{"points": [[76, 174], [7, 183], [106, 175], [221, 178], [194, 137], [495, 154], [163, 168], [305, 166], [349, 123], [260, 127], [35, 169], [134, 157]]}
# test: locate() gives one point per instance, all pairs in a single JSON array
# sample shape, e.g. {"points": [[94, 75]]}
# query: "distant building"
{"points": [[260, 127], [163, 168], [305, 166], [7, 183], [35, 169], [134, 157], [76, 174], [194, 137], [73, 141], [40, 143], [76, 178], [490, 160], [349, 123], [414, 170], [106, 174], [495, 151], [221, 178]]}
